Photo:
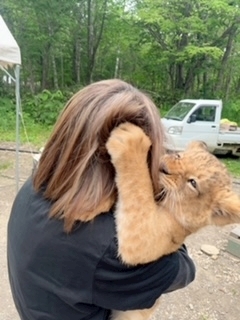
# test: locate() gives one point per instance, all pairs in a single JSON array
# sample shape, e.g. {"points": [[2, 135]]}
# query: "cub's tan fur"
{"points": [[194, 191]]}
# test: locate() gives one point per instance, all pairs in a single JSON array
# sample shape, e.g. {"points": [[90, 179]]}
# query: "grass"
{"points": [[4, 166], [233, 165], [34, 134]]}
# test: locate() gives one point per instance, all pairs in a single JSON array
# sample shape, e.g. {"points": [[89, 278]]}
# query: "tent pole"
{"points": [[17, 94]]}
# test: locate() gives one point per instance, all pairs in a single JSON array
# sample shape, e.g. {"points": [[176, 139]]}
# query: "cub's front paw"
{"points": [[127, 140]]}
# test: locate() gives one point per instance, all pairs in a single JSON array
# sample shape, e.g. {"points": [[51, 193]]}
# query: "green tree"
{"points": [[190, 38]]}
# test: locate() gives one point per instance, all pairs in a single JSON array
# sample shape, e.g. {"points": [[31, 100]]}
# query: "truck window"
{"points": [[205, 113], [179, 111]]}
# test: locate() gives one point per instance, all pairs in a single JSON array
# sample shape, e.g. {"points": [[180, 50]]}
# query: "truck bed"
{"points": [[225, 131], [229, 138]]}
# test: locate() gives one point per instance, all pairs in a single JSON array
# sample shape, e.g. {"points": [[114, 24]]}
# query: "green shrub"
{"points": [[8, 114], [31, 131], [231, 111], [39, 113], [44, 107]]}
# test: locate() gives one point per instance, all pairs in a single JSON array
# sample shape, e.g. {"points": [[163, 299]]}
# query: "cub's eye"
{"points": [[193, 183]]}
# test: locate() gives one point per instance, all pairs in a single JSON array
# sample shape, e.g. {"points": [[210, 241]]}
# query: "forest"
{"points": [[171, 49]]}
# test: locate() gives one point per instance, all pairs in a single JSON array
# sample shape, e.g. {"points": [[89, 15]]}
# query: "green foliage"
{"points": [[8, 114], [31, 132], [38, 115], [44, 107], [196, 52], [35, 134], [171, 49], [231, 111]]}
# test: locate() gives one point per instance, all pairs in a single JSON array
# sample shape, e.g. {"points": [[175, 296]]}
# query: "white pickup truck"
{"points": [[200, 120]]}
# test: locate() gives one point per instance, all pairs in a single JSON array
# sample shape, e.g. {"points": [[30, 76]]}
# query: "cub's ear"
{"points": [[227, 209]]}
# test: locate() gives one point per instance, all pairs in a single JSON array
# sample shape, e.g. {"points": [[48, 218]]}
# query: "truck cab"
{"points": [[192, 119]]}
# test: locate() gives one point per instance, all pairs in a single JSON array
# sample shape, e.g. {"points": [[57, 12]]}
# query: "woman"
{"points": [[60, 269]]}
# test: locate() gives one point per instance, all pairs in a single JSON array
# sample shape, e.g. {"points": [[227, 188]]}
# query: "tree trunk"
{"points": [[62, 71], [227, 53], [77, 60], [179, 80], [55, 74], [204, 85], [116, 71], [228, 84], [45, 69], [90, 10], [94, 36], [31, 79]]}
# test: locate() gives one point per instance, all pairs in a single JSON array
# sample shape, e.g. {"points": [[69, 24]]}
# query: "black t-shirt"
{"points": [[59, 276]]}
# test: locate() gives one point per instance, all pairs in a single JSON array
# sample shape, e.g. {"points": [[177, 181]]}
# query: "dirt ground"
{"points": [[214, 295]]}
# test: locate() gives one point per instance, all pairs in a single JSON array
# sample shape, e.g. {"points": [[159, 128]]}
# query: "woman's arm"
{"points": [[186, 271], [120, 287]]}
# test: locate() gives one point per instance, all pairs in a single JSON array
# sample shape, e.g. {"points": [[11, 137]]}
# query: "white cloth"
{"points": [[9, 50]]}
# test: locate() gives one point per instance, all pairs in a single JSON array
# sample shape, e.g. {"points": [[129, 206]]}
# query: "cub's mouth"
{"points": [[164, 169], [161, 195]]}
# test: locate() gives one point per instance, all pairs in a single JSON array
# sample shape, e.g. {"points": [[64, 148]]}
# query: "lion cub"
{"points": [[196, 191]]}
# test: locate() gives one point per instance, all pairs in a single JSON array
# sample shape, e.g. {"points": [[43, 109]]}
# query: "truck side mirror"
{"points": [[192, 118]]}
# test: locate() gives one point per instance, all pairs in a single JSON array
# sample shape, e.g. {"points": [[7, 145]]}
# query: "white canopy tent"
{"points": [[10, 57]]}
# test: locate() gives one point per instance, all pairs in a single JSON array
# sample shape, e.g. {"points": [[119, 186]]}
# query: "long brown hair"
{"points": [[75, 171]]}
